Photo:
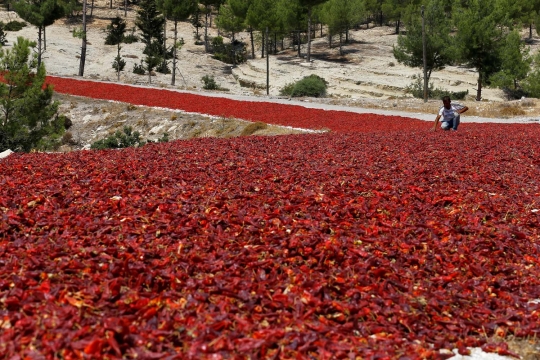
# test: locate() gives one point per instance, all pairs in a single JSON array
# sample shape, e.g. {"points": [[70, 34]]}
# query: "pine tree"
{"points": [[309, 4], [177, 10], [341, 15], [515, 64], [481, 29], [27, 112], [150, 22], [40, 13], [439, 45], [116, 30]]}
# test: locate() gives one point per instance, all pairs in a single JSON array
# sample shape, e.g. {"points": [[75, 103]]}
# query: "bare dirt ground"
{"points": [[366, 75]]}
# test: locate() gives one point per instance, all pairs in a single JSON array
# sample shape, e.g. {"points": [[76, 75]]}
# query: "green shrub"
{"points": [[312, 85], [163, 68], [416, 89], [209, 83], [139, 69], [130, 38], [119, 64], [14, 25], [232, 53], [119, 140]]}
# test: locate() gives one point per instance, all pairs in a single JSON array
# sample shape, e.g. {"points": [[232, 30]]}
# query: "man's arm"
{"points": [[436, 122], [462, 110]]}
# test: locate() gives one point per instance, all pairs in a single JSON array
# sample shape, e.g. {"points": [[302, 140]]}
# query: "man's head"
{"points": [[446, 102]]}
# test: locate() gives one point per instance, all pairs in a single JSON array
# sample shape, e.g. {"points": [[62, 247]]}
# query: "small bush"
{"points": [[130, 38], [251, 128], [139, 69], [66, 121], [312, 85], [232, 53], [209, 83], [163, 68], [119, 140], [14, 25], [119, 64]]}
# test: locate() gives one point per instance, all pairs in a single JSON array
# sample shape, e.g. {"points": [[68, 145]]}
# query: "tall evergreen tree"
{"points": [[309, 4], [262, 14], [481, 29], [27, 112], [341, 15], [40, 13], [515, 63], [150, 22], [177, 10], [439, 44], [394, 10], [116, 30]]}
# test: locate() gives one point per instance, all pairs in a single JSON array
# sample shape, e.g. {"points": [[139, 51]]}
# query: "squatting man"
{"points": [[450, 114]]}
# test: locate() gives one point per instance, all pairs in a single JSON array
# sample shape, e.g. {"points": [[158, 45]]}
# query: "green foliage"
{"points": [[130, 38], [119, 64], [177, 10], [151, 24], [115, 31], [163, 68], [312, 85], [416, 89], [531, 84], [139, 69], [439, 45], [27, 112], [228, 21], [481, 29], [230, 53], [120, 139], [515, 65], [209, 83], [342, 15], [13, 25]]}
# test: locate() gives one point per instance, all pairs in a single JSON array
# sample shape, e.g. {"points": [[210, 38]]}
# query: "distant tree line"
{"points": [[482, 34]]}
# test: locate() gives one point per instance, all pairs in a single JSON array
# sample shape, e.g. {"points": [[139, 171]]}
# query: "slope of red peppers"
{"points": [[272, 113], [393, 244]]}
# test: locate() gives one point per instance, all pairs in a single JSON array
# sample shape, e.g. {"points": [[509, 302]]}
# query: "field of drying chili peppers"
{"points": [[379, 239]]}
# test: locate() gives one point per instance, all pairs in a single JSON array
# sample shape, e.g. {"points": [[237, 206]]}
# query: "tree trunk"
{"points": [[530, 31], [479, 90], [206, 31], [262, 47], [321, 29], [118, 63], [340, 43], [329, 40], [164, 43], [174, 52], [110, 4], [83, 47], [44, 38], [92, 9], [299, 45], [39, 46], [252, 43], [275, 43], [125, 8], [347, 35], [308, 55]]}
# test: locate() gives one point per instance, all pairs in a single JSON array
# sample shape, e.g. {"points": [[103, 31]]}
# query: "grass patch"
{"points": [[252, 128]]}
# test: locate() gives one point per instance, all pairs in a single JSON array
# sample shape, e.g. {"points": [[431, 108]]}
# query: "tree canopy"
{"points": [[27, 113]]}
